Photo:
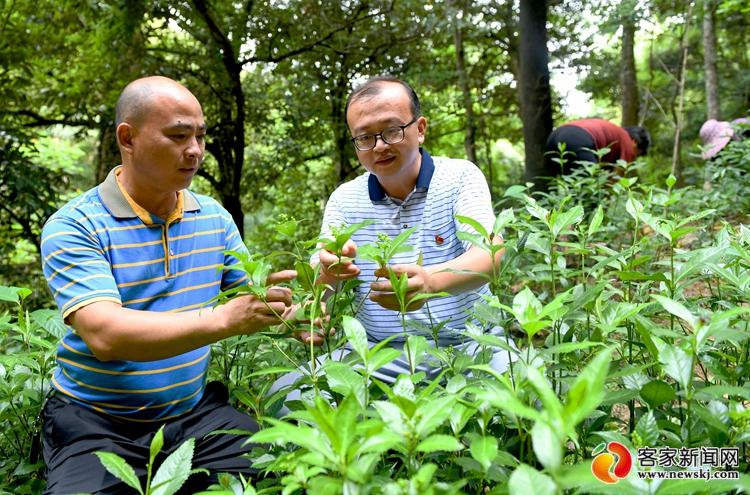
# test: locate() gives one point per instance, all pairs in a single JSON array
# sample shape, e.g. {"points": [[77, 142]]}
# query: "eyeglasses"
{"points": [[391, 135]]}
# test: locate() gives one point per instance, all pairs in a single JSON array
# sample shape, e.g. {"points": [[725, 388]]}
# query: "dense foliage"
{"points": [[629, 322], [626, 299]]}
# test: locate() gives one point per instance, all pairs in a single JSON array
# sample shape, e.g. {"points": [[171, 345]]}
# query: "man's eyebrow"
{"points": [[383, 125], [180, 126]]}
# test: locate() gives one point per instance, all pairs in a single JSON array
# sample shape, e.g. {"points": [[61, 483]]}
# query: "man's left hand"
{"points": [[419, 282]]}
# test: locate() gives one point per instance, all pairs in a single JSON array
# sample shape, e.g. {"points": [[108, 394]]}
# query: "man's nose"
{"points": [[194, 149], [380, 143]]}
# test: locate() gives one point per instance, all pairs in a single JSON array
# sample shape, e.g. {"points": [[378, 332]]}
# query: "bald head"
{"points": [[138, 97]]}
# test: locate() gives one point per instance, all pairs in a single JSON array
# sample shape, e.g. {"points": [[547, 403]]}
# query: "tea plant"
{"points": [[169, 477], [625, 315], [27, 352]]}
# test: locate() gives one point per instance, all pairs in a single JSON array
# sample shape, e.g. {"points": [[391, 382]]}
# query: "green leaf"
{"points": [[547, 445], [557, 308], [562, 220], [288, 228], [175, 470], [397, 243], [678, 310], [272, 371], [51, 321], [502, 220], [549, 399], [515, 191], [596, 221], [647, 429], [303, 436], [392, 416], [10, 294], [631, 276], [478, 227], [415, 349], [676, 362], [382, 357], [356, 335], [505, 400], [526, 306], [566, 347], [681, 232], [657, 392], [156, 444], [437, 443], [719, 391], [344, 380], [484, 450], [704, 487], [120, 469], [634, 208], [535, 210], [710, 418], [587, 391], [528, 481], [305, 275], [432, 414]]}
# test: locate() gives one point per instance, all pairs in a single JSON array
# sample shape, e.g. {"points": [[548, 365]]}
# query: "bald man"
{"points": [[133, 265]]}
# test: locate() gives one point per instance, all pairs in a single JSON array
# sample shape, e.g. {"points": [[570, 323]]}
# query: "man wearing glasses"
{"points": [[405, 187]]}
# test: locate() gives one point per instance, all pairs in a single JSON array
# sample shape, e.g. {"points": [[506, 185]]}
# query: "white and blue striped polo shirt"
{"points": [[103, 247], [445, 188]]}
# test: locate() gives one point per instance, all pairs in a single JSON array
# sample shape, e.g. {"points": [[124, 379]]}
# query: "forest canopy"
{"points": [[273, 78]]}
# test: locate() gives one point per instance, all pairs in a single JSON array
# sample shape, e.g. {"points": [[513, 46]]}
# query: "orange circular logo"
{"points": [[613, 465]]}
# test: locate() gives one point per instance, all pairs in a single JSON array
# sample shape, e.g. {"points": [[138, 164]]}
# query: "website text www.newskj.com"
{"points": [[702, 474]]}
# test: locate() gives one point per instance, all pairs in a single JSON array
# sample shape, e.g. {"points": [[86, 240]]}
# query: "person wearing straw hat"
{"points": [[716, 134]]}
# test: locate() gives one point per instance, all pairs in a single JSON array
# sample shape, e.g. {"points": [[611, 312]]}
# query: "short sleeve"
{"points": [[75, 266], [473, 201]]}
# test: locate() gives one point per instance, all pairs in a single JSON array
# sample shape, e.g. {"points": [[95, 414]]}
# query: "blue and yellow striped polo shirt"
{"points": [[103, 247]]}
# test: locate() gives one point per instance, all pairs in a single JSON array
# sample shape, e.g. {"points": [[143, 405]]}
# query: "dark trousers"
{"points": [[577, 141], [72, 433]]}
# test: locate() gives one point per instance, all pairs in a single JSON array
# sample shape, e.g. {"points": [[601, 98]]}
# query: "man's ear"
{"points": [[421, 128], [125, 133]]}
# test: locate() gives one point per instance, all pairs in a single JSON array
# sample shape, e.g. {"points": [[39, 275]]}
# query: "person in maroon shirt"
{"points": [[583, 137]]}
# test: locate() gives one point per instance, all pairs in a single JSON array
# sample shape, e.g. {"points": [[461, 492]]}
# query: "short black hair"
{"points": [[372, 87], [641, 137]]}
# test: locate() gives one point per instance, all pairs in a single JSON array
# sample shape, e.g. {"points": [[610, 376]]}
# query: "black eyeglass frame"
{"points": [[380, 135]]}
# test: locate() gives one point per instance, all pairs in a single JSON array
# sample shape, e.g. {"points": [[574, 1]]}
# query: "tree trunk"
{"points": [[231, 156], [628, 75], [344, 158], [470, 129], [533, 84], [107, 152], [709, 60], [679, 115]]}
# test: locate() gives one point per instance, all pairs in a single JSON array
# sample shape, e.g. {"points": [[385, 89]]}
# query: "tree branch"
{"points": [[307, 47], [40, 120]]}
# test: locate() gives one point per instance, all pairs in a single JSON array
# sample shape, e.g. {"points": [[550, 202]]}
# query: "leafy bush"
{"points": [[628, 309], [27, 354]]}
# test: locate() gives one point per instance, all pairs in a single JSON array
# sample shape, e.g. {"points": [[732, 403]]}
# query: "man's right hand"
{"points": [[335, 268], [248, 314]]}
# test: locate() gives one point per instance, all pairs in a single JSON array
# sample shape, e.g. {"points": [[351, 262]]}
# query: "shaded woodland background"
{"points": [[273, 77]]}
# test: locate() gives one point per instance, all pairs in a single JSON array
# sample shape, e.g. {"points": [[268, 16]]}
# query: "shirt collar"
{"points": [[426, 169], [121, 205]]}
